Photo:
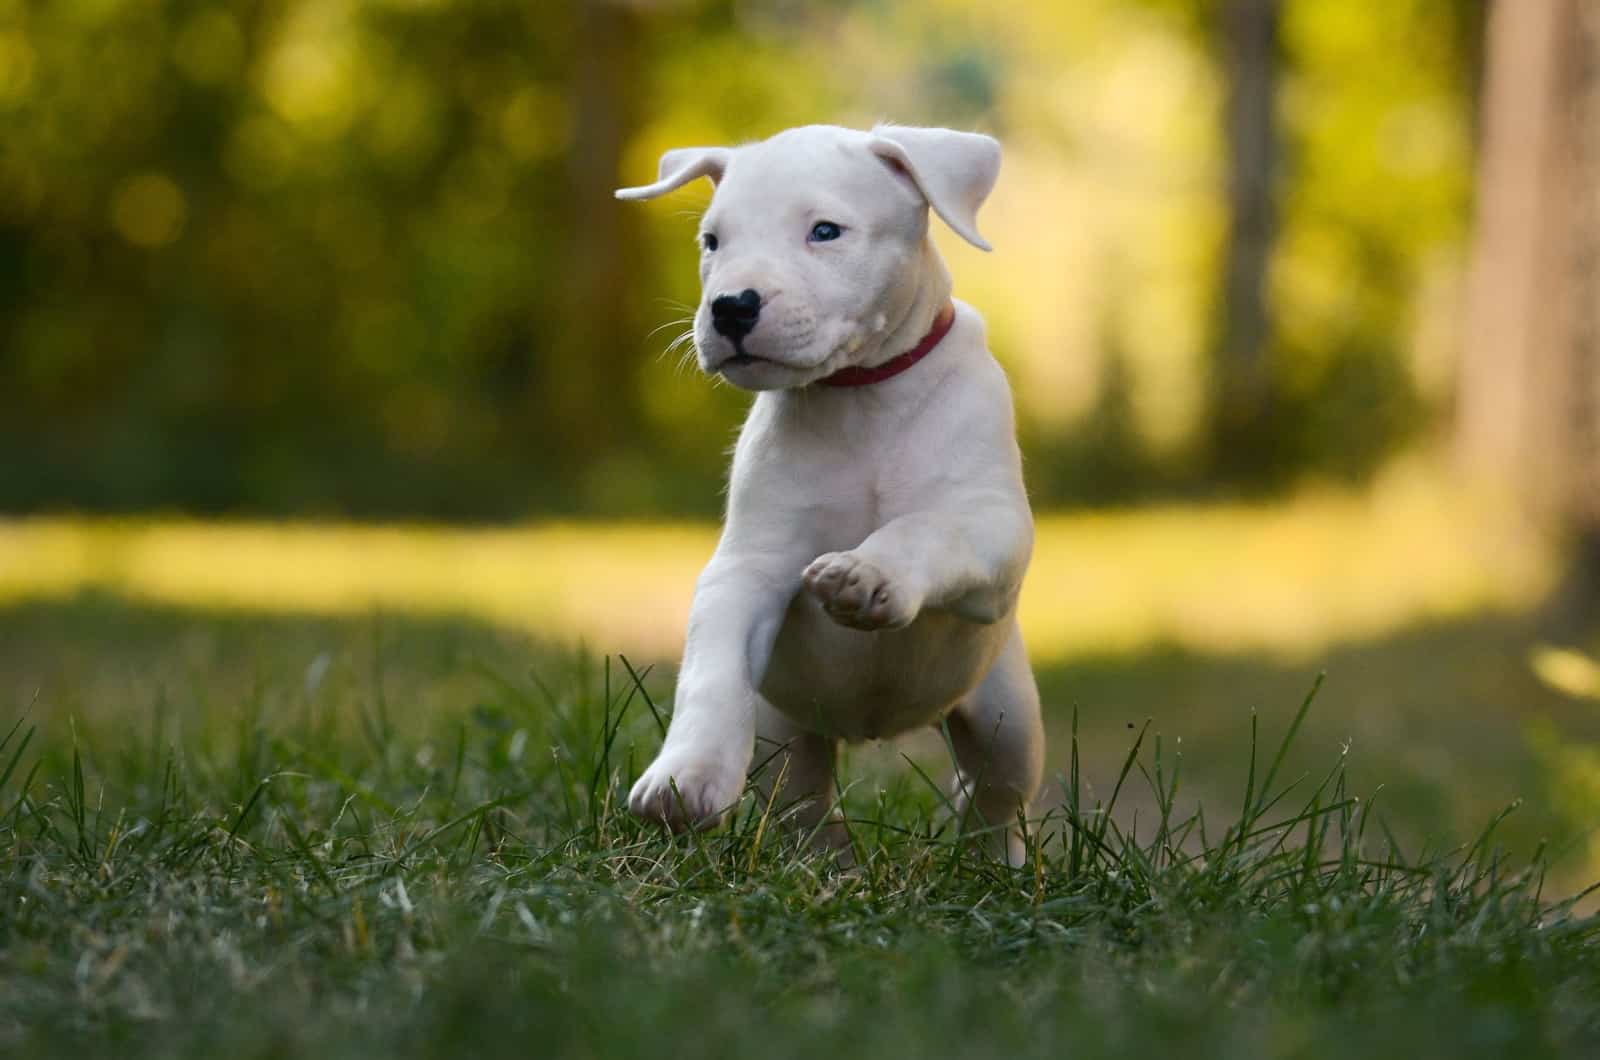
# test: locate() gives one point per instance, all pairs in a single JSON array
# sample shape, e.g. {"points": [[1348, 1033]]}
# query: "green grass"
{"points": [[239, 837]]}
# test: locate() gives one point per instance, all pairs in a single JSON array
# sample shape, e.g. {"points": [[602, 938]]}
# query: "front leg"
{"points": [[967, 558], [738, 608]]}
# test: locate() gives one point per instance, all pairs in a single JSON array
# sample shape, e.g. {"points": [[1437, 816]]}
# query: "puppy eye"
{"points": [[824, 231], [709, 240]]}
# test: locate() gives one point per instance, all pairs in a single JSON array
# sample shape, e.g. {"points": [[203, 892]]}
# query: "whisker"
{"points": [[682, 344], [677, 323], [687, 359]]}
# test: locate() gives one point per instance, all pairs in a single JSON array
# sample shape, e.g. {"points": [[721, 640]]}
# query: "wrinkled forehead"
{"points": [[819, 166]]}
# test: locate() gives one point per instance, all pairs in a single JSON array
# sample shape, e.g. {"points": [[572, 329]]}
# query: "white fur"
{"points": [[876, 536]]}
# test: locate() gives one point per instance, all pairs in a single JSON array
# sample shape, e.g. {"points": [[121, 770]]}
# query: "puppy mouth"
{"points": [[740, 358]]}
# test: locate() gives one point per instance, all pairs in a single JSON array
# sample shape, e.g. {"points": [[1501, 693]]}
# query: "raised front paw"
{"points": [[857, 593], [683, 788]]}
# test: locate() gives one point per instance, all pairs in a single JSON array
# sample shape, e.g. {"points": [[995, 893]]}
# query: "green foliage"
{"points": [[361, 258], [1375, 206], [293, 258], [349, 861]]}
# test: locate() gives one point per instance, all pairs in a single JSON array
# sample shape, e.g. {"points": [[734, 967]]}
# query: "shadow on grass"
{"points": [[1435, 719]]}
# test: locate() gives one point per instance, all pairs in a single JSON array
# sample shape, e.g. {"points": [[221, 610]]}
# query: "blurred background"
{"points": [[315, 309]]}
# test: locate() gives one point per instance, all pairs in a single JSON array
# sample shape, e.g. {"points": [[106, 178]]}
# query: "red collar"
{"points": [[859, 376]]}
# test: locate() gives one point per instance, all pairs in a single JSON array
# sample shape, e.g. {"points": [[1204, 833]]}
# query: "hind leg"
{"points": [[799, 765], [999, 744]]}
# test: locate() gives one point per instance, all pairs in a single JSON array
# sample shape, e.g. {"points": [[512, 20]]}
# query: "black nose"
{"points": [[734, 315]]}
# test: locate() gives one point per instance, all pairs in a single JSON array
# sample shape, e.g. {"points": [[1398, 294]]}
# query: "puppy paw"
{"points": [[684, 789], [857, 593]]}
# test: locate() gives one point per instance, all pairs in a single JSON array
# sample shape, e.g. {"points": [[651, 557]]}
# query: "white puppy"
{"points": [[877, 528]]}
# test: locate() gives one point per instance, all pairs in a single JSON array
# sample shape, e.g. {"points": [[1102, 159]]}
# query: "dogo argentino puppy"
{"points": [[877, 527]]}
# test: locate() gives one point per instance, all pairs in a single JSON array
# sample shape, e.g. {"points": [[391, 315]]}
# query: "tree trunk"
{"points": [[1242, 397], [1577, 601], [1528, 412], [591, 379]]}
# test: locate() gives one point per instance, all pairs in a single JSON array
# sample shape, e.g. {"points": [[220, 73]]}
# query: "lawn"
{"points": [[266, 835], [279, 790]]}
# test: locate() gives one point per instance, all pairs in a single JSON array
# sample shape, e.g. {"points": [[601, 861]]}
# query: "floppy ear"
{"points": [[954, 171], [678, 167]]}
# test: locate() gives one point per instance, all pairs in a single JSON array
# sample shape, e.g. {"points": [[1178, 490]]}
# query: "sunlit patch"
{"points": [[1567, 670], [312, 78], [1289, 579]]}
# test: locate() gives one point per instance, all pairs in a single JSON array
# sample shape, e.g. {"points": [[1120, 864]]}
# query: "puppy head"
{"points": [[809, 252]]}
